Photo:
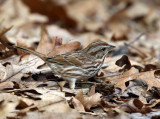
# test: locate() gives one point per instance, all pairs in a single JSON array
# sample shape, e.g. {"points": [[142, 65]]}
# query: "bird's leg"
{"points": [[72, 83]]}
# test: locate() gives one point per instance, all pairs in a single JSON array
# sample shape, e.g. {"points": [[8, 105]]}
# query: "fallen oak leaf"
{"points": [[105, 88], [4, 85], [20, 52], [6, 71], [8, 102], [114, 68], [136, 87], [48, 115], [45, 45], [124, 60], [14, 72], [90, 101], [55, 12], [77, 104], [106, 106], [149, 77], [53, 46], [133, 74], [120, 80], [92, 90], [135, 105], [5, 51], [65, 48], [116, 113], [150, 67], [29, 100], [6, 48]]}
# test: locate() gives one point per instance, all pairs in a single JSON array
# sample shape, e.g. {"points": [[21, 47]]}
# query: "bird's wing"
{"points": [[59, 59], [73, 59]]}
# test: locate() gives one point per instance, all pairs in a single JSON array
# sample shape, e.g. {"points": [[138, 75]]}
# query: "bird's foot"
{"points": [[72, 83]]}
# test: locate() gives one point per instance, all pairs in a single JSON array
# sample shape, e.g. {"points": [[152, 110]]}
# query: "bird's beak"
{"points": [[110, 47]]}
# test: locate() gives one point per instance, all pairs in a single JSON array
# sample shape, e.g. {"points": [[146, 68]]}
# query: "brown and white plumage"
{"points": [[78, 65]]}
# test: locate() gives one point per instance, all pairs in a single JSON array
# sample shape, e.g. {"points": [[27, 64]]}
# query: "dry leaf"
{"points": [[8, 104], [21, 52], [54, 46], [107, 105], [45, 45], [135, 105], [87, 14], [6, 85], [61, 84], [77, 104], [90, 101], [15, 70], [111, 21], [55, 12], [6, 48], [124, 61], [124, 78], [92, 90], [65, 48], [133, 74], [6, 71], [51, 115], [149, 78], [17, 102]]}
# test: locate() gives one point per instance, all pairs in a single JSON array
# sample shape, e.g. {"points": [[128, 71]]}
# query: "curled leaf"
{"points": [[77, 104], [124, 61], [90, 101]]}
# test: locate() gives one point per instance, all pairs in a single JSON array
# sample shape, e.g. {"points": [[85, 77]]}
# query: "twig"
{"points": [[137, 38], [124, 49]]}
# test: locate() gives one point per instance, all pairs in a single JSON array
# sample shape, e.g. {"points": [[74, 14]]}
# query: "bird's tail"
{"points": [[40, 55]]}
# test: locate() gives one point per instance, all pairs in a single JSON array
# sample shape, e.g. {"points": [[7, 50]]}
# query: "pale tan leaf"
{"points": [[77, 104], [65, 48], [90, 101]]}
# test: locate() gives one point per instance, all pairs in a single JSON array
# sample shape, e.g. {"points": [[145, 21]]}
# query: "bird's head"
{"points": [[98, 49]]}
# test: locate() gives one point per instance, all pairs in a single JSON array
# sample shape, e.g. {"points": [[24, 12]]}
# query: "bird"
{"points": [[78, 65]]}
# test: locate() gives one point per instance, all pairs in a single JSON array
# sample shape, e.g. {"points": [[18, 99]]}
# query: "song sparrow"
{"points": [[78, 65]]}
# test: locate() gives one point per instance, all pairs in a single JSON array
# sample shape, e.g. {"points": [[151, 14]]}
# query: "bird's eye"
{"points": [[103, 49]]}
